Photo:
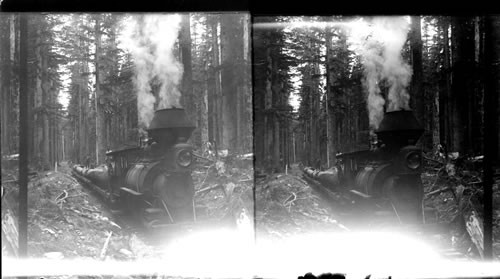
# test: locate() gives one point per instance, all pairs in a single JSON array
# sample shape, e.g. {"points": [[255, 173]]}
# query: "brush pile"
{"points": [[454, 195]]}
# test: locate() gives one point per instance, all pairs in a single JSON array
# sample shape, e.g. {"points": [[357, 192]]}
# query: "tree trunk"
{"points": [[38, 96], [462, 81], [330, 114], [247, 127], [204, 127], [23, 137], [5, 82], [276, 104], [445, 109], [45, 83], [99, 100], [187, 78], [268, 118], [316, 114], [417, 93], [260, 50], [491, 122], [217, 122], [231, 39]]}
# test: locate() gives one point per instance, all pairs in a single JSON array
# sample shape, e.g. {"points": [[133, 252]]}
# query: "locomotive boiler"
{"points": [[151, 180], [389, 172]]}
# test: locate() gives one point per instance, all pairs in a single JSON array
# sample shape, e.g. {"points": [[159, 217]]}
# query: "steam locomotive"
{"points": [[389, 171], [153, 179]]}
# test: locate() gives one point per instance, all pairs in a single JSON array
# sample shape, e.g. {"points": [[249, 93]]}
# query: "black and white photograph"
{"points": [[138, 136], [220, 144], [369, 136]]}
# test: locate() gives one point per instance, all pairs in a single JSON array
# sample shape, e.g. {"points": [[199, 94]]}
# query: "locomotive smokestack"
{"points": [[399, 128], [170, 126]]}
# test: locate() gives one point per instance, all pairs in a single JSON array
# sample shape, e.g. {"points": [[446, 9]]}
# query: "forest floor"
{"points": [[287, 205], [68, 220]]}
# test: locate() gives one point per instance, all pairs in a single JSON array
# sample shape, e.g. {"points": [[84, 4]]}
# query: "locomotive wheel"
{"points": [[406, 195], [177, 192], [136, 207]]}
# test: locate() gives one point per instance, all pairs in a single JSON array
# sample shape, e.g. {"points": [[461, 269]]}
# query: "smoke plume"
{"points": [[379, 43], [151, 39]]}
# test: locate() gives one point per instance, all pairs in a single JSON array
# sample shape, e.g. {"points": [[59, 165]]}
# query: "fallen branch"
{"points": [[288, 203], [61, 198], [63, 195], [105, 247], [202, 157], [437, 177], [288, 200], [246, 180], [206, 174], [208, 189], [433, 160], [74, 196], [229, 189], [9, 181], [438, 191]]}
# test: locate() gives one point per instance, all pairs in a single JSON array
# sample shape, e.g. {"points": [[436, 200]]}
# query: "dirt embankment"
{"points": [[65, 220], [286, 205]]}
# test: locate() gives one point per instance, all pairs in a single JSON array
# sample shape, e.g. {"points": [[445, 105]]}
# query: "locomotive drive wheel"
{"points": [[406, 195], [177, 193], [135, 207]]}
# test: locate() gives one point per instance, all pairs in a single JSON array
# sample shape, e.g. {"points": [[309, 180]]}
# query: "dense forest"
{"points": [[86, 74], [314, 75]]}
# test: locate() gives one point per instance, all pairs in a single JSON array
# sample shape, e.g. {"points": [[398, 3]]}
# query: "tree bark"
{"points": [[217, 104], [231, 52], [45, 84], [491, 121], [462, 81], [330, 114], [5, 82], [445, 108], [38, 96], [260, 59], [417, 93], [247, 125], [276, 104], [23, 137], [187, 77], [99, 99]]}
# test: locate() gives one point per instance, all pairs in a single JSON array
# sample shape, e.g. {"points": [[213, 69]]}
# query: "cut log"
{"points": [[474, 226], [9, 232], [328, 178], [469, 207]]}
